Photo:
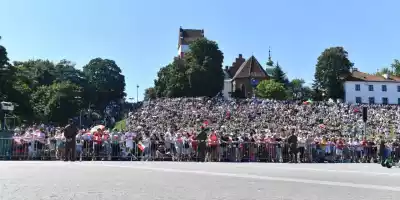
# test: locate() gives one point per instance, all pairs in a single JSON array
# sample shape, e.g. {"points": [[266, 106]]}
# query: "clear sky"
{"points": [[142, 36]]}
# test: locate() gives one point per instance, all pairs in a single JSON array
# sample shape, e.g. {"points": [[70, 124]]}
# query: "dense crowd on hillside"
{"points": [[265, 117], [245, 130]]}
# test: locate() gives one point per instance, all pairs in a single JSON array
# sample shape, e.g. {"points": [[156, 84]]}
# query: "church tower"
{"points": [[187, 36]]}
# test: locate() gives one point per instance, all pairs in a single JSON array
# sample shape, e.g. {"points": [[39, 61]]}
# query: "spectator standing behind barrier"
{"points": [[97, 142], [70, 132]]}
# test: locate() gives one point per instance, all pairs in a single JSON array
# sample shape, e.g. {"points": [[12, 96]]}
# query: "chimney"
{"points": [[226, 68], [355, 70], [240, 56]]}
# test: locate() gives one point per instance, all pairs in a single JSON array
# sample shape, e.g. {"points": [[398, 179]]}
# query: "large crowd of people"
{"points": [[212, 129]]}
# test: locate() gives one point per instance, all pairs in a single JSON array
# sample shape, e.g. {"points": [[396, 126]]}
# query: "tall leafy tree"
{"points": [[160, 84], [198, 74], [178, 81], [172, 80], [56, 102], [205, 73], [107, 81], [333, 64], [6, 72], [270, 89], [149, 93], [394, 69], [297, 90], [278, 75]]}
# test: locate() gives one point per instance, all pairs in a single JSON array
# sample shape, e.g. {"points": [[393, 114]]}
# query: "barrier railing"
{"points": [[205, 151]]}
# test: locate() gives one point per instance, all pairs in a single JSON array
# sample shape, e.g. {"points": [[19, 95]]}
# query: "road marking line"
{"points": [[248, 176], [277, 166], [329, 170]]}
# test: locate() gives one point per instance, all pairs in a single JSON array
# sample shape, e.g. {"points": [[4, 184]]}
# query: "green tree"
{"points": [[270, 89], [160, 84], [172, 80], [149, 93], [6, 72], [56, 102], [317, 93], [384, 70], [198, 74], [394, 69], [333, 64], [178, 82], [395, 66], [278, 75], [13, 88], [204, 68], [298, 91], [106, 80], [45, 91]]}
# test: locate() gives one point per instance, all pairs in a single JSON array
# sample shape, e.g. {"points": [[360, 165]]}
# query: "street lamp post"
{"points": [[80, 119]]}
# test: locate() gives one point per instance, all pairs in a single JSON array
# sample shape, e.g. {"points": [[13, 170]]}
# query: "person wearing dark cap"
{"points": [[70, 132]]}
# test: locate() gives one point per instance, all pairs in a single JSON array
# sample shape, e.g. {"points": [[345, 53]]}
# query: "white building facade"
{"points": [[372, 92]]}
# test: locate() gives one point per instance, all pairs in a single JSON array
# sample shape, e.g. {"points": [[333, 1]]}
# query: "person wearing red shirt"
{"points": [[97, 142], [339, 149], [213, 144]]}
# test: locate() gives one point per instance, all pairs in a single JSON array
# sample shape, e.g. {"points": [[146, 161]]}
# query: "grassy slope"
{"points": [[120, 125]]}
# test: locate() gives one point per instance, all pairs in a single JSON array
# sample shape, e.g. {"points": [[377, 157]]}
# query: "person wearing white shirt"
{"points": [[79, 146], [146, 145], [60, 145]]}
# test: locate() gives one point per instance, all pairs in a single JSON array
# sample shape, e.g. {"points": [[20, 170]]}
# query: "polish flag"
{"points": [[141, 146]]}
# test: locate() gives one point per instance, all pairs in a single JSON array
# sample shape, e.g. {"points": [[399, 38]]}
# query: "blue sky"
{"points": [[142, 36]]}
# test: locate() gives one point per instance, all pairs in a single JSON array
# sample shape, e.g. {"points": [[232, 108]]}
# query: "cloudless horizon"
{"points": [[142, 36]]}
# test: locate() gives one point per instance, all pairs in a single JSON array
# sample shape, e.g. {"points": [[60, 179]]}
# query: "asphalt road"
{"points": [[197, 181]]}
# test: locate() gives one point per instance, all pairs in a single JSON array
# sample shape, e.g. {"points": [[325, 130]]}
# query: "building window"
{"points": [[358, 100], [398, 101], [384, 88], [384, 100], [398, 88], [370, 87], [371, 100], [358, 87]]}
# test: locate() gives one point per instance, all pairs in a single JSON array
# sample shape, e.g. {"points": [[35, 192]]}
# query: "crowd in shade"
{"points": [[252, 130]]}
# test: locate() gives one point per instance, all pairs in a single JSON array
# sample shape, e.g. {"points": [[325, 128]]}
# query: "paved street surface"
{"points": [[197, 181]]}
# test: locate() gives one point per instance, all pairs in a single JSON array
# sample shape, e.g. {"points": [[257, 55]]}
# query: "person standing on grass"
{"points": [[70, 132]]}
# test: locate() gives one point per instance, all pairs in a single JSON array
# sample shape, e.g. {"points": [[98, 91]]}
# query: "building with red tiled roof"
{"points": [[367, 88], [243, 72]]}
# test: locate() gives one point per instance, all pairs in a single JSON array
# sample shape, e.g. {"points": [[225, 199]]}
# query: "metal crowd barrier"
{"points": [[204, 151]]}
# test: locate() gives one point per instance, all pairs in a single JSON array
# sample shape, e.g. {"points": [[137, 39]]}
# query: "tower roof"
{"points": [[186, 36], [251, 68]]}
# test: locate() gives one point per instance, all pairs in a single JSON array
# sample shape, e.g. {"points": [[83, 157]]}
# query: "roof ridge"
{"points": [[253, 62]]}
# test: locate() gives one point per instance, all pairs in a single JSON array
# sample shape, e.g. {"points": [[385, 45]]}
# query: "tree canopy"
{"points": [[45, 91], [278, 75], [270, 89], [199, 73], [333, 64], [394, 69]]}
